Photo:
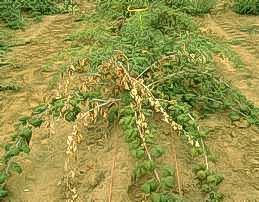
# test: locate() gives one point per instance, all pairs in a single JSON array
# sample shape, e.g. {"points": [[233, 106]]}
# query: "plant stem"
{"points": [[205, 154]]}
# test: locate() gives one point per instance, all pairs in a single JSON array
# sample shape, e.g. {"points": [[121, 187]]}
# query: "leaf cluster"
{"points": [[209, 182], [246, 7], [145, 167], [19, 144]]}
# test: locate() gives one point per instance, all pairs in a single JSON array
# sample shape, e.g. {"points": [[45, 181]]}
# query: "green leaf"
{"points": [[215, 179], [138, 153], [134, 144], [198, 167], [149, 165], [24, 147], [16, 167], [139, 171], [146, 188], [153, 184], [39, 109], [129, 131], [7, 147], [113, 114], [182, 118], [227, 103], [26, 133], [206, 188], [216, 196], [56, 107], [3, 177], [13, 151], [71, 115], [244, 108], [126, 120], [201, 174], [130, 134], [156, 197], [157, 151], [14, 136], [167, 182], [24, 119], [164, 198], [234, 116], [167, 171], [36, 122], [3, 193]]}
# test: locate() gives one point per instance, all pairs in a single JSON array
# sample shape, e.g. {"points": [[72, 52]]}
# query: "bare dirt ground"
{"points": [[243, 31], [45, 163], [236, 149], [46, 41], [103, 153]]}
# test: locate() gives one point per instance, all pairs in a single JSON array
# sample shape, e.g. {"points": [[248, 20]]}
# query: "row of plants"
{"points": [[165, 48]]}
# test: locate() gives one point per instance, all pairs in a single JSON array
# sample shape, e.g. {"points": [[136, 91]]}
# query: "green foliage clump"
{"points": [[209, 182], [193, 7], [3, 48], [247, 7], [147, 35], [19, 144], [169, 20], [9, 86], [3, 44], [12, 12]]}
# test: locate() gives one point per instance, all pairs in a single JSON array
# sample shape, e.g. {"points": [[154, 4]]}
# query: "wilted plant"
{"points": [[164, 65]]}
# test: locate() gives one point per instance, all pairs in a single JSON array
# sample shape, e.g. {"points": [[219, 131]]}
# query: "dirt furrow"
{"points": [[106, 166], [228, 28], [28, 69], [235, 148], [43, 167]]}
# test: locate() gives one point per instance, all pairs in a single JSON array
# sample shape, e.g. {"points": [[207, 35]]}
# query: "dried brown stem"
{"points": [[145, 145], [150, 158], [205, 154], [98, 106]]}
